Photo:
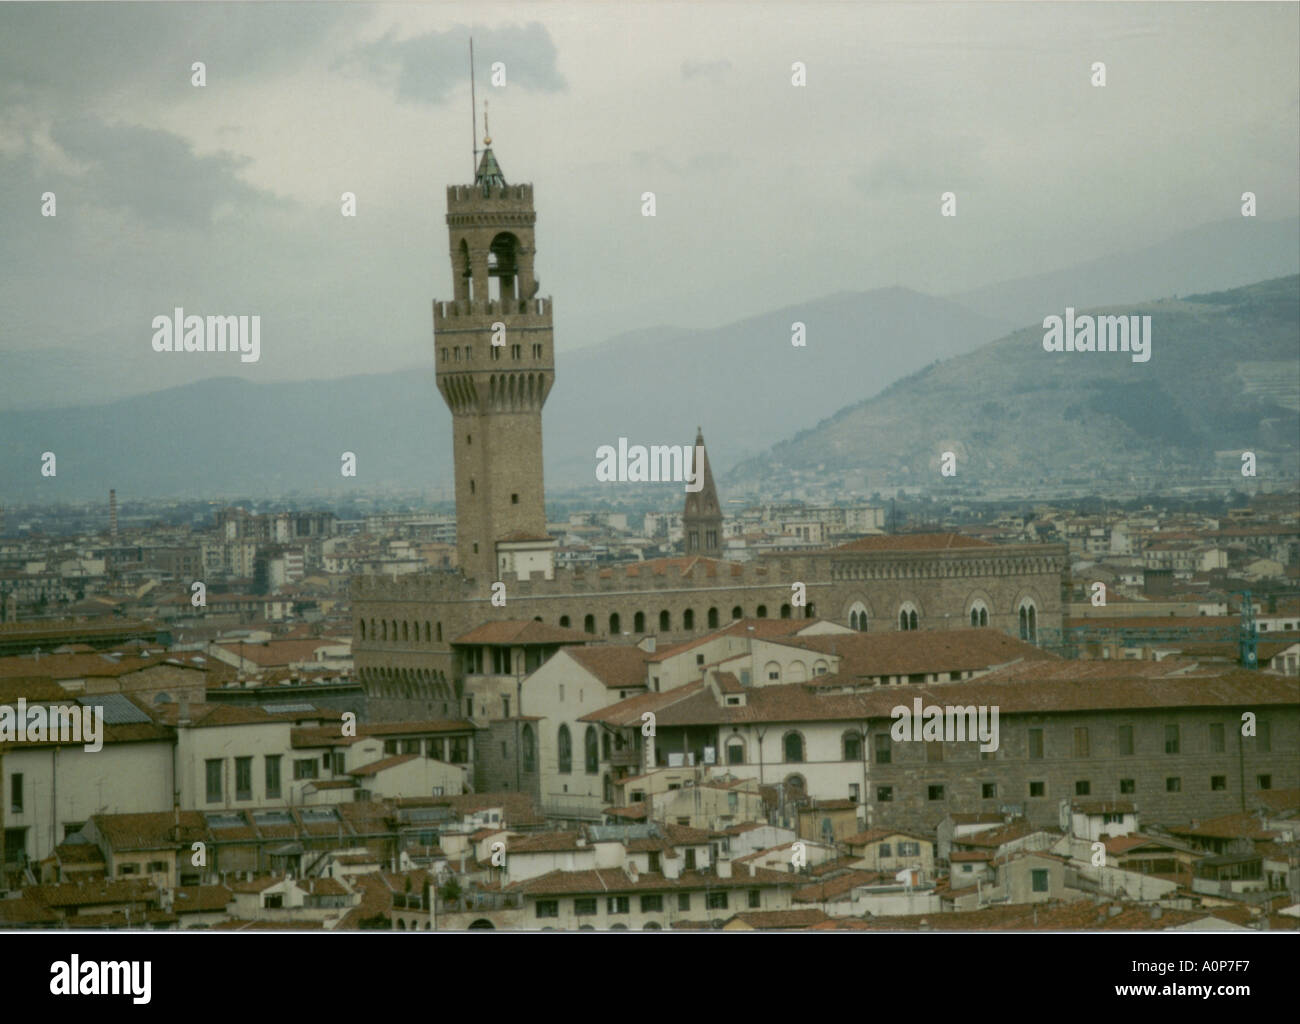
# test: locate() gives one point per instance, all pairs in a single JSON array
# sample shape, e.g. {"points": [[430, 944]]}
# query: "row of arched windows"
{"points": [[909, 617], [591, 750], [406, 683], [793, 750], [687, 622], [403, 632]]}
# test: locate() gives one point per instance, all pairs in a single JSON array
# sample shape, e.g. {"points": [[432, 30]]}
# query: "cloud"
{"points": [[90, 50], [152, 173], [429, 68]]}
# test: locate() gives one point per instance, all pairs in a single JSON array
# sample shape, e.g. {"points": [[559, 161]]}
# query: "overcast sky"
{"points": [[225, 199]]}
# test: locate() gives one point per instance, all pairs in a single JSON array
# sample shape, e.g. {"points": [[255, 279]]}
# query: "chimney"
{"points": [[723, 867], [183, 710], [672, 866]]}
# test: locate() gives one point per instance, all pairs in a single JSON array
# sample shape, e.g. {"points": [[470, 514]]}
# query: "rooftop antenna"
{"points": [[473, 110]]}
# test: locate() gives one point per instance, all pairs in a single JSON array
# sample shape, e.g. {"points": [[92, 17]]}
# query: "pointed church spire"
{"points": [[702, 516]]}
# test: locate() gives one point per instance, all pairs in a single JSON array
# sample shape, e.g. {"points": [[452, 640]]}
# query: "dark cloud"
{"points": [[429, 68], [86, 50], [152, 173]]}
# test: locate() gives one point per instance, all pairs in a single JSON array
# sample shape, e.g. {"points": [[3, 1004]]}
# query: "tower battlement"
{"points": [[538, 309], [490, 199]]}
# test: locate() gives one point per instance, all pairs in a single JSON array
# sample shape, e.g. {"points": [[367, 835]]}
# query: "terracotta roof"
{"points": [[544, 842], [780, 920], [612, 880], [521, 631], [618, 666], [374, 767], [796, 702], [840, 885], [958, 856], [79, 666], [194, 899], [917, 652], [93, 893], [1104, 806], [991, 839], [155, 831], [1229, 826]]}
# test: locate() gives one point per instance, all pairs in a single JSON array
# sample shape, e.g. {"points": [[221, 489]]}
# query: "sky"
{"points": [[225, 199]]}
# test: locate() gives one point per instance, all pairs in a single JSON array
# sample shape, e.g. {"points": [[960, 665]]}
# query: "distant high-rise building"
{"points": [[112, 515]]}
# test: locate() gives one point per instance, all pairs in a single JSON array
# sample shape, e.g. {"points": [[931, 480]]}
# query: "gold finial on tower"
{"points": [[487, 133]]}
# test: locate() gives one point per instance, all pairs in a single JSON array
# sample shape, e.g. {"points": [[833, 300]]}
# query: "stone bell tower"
{"points": [[495, 362]]}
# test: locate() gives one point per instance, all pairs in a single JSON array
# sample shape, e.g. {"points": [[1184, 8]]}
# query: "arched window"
{"points": [[797, 672], [792, 745], [713, 618], [795, 787], [979, 614], [363, 629], [735, 751], [664, 624], [615, 624], [772, 672], [638, 622], [439, 632], [810, 611], [851, 742], [428, 631], [589, 624], [761, 611], [405, 632], [529, 744], [394, 631], [384, 623], [592, 751], [688, 619], [607, 788], [785, 611], [858, 617], [737, 612], [1028, 615], [503, 267], [564, 621], [564, 750], [907, 618]]}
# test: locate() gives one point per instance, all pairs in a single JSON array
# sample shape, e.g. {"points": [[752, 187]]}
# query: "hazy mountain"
{"points": [[1229, 254], [744, 383], [1223, 377]]}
